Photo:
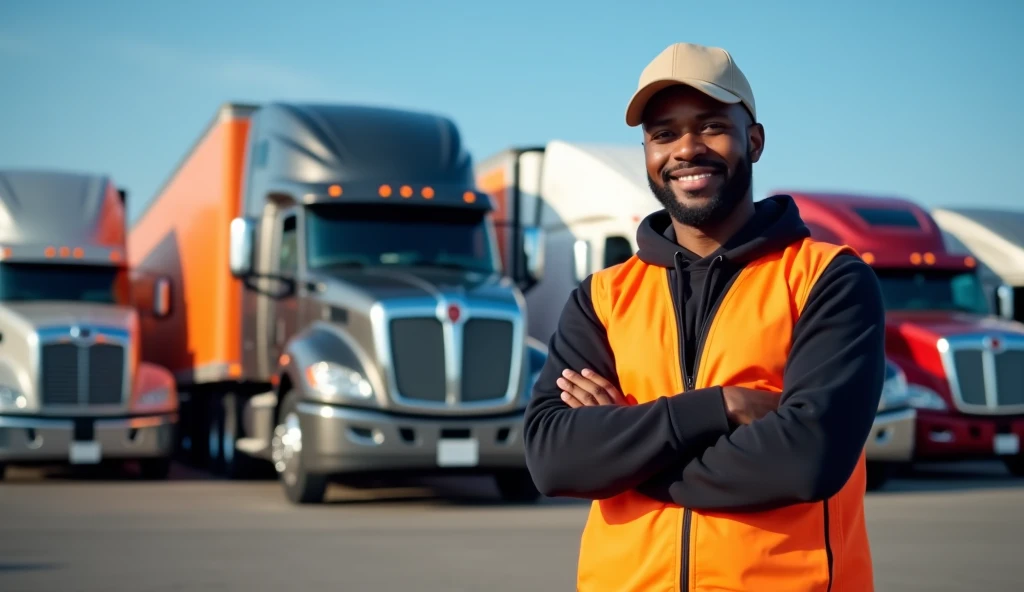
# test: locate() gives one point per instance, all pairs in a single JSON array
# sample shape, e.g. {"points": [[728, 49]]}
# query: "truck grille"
{"points": [[486, 359], [417, 350], [82, 374], [987, 381], [418, 356]]}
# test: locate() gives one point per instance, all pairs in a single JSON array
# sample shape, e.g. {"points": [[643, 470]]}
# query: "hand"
{"points": [[744, 405], [588, 389]]}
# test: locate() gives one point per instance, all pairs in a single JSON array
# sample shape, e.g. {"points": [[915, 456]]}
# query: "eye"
{"points": [[715, 127]]}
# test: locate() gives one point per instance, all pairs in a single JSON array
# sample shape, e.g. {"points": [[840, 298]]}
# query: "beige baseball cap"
{"points": [[710, 70]]}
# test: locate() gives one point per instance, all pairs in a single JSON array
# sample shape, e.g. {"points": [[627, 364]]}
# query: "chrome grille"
{"points": [[417, 348], [985, 372], [77, 373], [486, 359]]}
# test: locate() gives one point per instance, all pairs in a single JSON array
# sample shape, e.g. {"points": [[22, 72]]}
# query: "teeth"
{"points": [[694, 177]]}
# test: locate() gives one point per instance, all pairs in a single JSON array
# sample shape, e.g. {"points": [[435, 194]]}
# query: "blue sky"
{"points": [[912, 98]]}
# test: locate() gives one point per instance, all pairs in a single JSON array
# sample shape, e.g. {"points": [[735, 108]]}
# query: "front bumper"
{"points": [[892, 436], [941, 436], [85, 440], [345, 440]]}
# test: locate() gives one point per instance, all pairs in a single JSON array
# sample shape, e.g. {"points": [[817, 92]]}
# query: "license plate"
{"points": [[85, 453], [1007, 444], [462, 452]]}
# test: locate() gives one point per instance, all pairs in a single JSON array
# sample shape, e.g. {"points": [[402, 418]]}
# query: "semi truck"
{"points": [[964, 364], [338, 307], [72, 386], [996, 238], [582, 203]]}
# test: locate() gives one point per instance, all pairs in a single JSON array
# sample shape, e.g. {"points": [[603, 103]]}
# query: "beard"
{"points": [[714, 209]]}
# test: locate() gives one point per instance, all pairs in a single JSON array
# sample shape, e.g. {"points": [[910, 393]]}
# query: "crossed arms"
{"points": [[684, 449]]}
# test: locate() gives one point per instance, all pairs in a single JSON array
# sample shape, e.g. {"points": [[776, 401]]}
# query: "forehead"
{"points": [[678, 103]]}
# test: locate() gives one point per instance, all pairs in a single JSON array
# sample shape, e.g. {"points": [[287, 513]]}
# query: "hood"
{"points": [[424, 282], [932, 325], [775, 225], [50, 314]]}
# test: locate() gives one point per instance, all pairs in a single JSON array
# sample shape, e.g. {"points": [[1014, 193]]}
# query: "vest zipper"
{"points": [[828, 546], [703, 316]]}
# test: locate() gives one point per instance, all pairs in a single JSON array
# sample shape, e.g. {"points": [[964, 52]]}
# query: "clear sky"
{"points": [[901, 97]]}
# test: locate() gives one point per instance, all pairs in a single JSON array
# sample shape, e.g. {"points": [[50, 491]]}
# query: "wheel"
{"points": [[155, 469], [224, 432], [300, 486], [516, 486], [1015, 464], [878, 474]]}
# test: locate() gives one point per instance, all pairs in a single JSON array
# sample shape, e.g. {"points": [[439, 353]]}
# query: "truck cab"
{"points": [[964, 365], [367, 327], [72, 387]]}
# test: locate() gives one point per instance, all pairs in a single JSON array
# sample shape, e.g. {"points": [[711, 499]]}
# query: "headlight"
{"points": [[11, 397], [335, 380], [154, 398], [922, 397], [895, 392]]}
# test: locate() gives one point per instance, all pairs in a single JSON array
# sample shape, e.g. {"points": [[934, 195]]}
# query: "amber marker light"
{"points": [[929, 258], [405, 191], [79, 252], [969, 261], [427, 193], [915, 258], [868, 258], [384, 191], [334, 191], [469, 197]]}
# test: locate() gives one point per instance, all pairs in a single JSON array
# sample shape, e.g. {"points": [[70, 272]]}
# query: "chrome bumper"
{"points": [[340, 440], [44, 439], [892, 436]]}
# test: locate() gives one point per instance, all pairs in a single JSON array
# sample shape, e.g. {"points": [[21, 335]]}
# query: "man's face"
{"points": [[700, 153]]}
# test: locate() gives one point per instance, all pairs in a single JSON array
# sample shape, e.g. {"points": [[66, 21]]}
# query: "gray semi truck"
{"points": [[72, 388], [339, 305]]}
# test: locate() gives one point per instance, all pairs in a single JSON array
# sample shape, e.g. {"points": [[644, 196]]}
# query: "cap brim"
{"points": [[635, 109]]}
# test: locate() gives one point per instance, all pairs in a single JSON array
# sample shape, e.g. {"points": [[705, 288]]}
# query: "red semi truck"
{"points": [[964, 364]]}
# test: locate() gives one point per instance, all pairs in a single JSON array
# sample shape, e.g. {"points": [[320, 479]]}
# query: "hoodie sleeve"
{"points": [[601, 451], [807, 449]]}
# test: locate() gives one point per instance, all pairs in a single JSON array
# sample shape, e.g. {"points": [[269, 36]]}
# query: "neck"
{"points": [[704, 241]]}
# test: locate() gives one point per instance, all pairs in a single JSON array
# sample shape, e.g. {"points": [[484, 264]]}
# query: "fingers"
{"points": [[579, 390]]}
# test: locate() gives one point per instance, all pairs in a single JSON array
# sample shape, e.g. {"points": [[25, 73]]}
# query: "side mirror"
{"points": [[533, 250], [581, 259], [1004, 301], [162, 297], [242, 232]]}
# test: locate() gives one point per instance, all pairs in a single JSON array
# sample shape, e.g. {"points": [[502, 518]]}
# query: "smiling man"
{"points": [[713, 394]]}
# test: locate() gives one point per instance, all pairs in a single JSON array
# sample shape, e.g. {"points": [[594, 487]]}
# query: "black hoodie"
{"points": [[683, 449]]}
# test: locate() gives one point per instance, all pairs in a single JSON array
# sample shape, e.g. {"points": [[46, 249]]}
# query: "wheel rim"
{"points": [[287, 448]]}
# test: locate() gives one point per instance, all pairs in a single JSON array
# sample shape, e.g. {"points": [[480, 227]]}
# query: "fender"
{"points": [[322, 342]]}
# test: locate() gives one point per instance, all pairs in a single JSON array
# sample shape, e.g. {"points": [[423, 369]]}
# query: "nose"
{"points": [[688, 147]]}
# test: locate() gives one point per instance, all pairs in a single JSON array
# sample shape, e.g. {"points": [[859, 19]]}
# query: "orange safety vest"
{"points": [[634, 543]]}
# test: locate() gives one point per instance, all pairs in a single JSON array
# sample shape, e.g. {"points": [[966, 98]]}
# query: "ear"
{"points": [[755, 141]]}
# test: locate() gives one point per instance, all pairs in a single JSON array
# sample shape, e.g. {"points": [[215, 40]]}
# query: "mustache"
{"points": [[692, 164]]}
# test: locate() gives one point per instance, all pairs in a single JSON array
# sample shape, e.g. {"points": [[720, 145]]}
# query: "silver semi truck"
{"points": [[340, 308], [72, 388]]}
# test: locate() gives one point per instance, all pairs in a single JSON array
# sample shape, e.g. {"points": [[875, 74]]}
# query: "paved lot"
{"points": [[949, 528]]}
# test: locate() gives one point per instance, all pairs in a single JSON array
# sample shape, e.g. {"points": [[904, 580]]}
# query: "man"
{"points": [[713, 394]]}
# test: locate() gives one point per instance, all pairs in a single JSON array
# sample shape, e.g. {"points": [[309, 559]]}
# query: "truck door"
{"points": [[285, 308]]}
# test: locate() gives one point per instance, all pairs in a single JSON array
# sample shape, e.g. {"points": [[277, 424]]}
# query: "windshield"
{"points": [[353, 235], [79, 283], [916, 289]]}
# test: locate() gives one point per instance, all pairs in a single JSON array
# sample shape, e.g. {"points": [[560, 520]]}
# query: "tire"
{"points": [[155, 469], [878, 474], [516, 486], [1015, 464], [300, 486], [224, 431]]}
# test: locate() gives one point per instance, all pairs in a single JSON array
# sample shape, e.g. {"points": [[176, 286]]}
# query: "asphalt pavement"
{"points": [[945, 528]]}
